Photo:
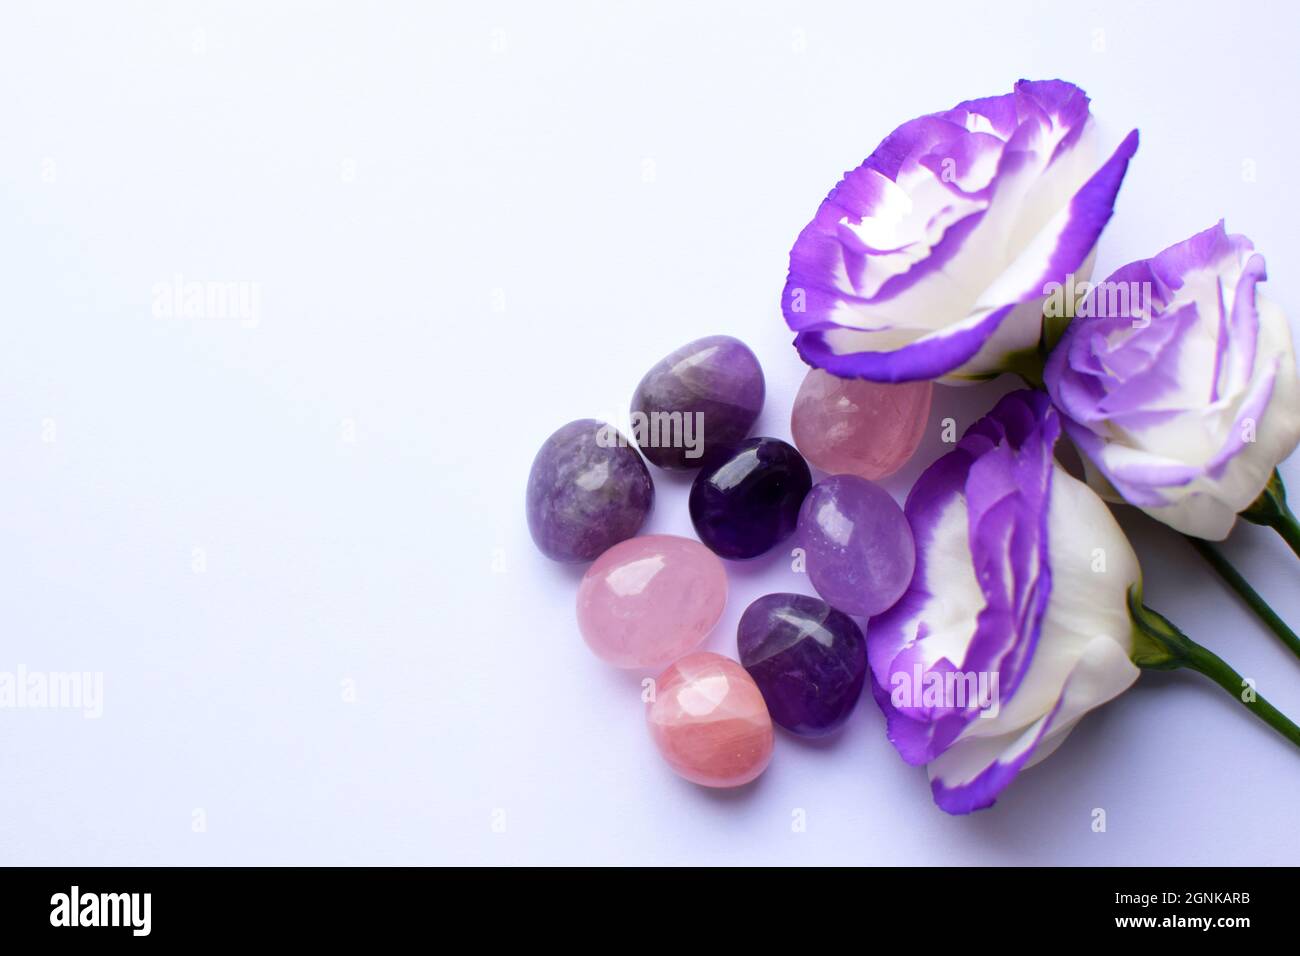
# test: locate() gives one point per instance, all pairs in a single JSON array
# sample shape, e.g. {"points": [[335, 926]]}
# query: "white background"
{"points": [[470, 224]]}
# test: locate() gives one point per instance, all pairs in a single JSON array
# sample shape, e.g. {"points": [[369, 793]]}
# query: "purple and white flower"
{"points": [[1183, 407], [930, 259], [1022, 575]]}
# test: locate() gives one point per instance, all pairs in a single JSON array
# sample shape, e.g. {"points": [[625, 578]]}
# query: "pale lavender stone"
{"points": [[706, 394], [587, 491], [858, 546]]}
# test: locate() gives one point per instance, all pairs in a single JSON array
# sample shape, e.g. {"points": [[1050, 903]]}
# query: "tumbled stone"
{"points": [[746, 499], [709, 722], [588, 489], [856, 427], [858, 546], [706, 393], [808, 659], [648, 600]]}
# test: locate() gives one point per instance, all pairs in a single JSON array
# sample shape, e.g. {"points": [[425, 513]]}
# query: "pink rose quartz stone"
{"points": [[649, 600], [855, 427], [709, 721]]}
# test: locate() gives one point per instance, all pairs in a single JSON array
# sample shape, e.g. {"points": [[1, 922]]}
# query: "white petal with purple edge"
{"points": [[1183, 408], [930, 260], [1021, 588]]}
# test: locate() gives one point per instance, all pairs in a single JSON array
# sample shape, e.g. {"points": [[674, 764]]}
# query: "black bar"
{"points": [[365, 904]]}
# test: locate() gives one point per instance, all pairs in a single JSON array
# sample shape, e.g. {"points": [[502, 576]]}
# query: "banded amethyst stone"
{"points": [[747, 497], [857, 544], [808, 659], [706, 393], [588, 490]]}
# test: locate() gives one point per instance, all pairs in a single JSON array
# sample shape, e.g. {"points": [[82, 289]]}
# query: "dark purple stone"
{"points": [[747, 497], [808, 659], [587, 491], [706, 393]]}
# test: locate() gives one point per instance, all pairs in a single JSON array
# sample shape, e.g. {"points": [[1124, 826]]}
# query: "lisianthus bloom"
{"points": [[1024, 613], [931, 259], [1017, 620], [1177, 381]]}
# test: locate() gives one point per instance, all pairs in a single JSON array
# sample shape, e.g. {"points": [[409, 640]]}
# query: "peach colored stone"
{"points": [[709, 721], [855, 427], [649, 600]]}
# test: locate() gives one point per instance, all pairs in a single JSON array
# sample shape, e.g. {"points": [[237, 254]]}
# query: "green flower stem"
{"points": [[1215, 559], [1028, 364], [1158, 645], [1271, 510]]}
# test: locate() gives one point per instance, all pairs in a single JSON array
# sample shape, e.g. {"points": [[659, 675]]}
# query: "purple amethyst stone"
{"points": [[587, 491], [857, 544], [808, 659], [707, 393], [747, 497]]}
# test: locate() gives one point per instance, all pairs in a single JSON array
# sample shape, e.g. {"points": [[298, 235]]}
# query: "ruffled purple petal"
{"points": [[900, 258], [983, 790], [1001, 473], [1122, 379], [928, 358]]}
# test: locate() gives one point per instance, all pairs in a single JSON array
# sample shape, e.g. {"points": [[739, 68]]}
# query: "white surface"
{"points": [[392, 175]]}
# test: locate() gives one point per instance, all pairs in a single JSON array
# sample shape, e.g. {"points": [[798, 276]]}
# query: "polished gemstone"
{"points": [[588, 489], [707, 393], [857, 427], [709, 721], [857, 544], [808, 659], [649, 600], [746, 499]]}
